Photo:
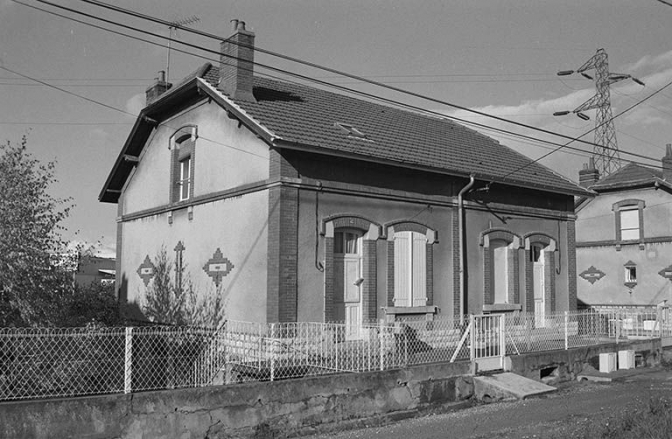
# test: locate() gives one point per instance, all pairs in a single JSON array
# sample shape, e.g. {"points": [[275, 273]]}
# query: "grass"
{"points": [[646, 420]]}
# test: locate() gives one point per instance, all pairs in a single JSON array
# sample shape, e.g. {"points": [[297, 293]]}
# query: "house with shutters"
{"points": [[624, 237], [301, 204]]}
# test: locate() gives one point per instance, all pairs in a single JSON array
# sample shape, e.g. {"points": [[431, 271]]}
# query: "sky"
{"points": [[497, 57]]}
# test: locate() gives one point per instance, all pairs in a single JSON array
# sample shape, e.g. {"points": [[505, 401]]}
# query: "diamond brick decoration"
{"points": [[592, 275], [218, 267], [666, 272], [147, 270]]}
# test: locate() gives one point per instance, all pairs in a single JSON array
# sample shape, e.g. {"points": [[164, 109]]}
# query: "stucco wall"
{"points": [[596, 224], [596, 221], [227, 155], [651, 288], [237, 226]]}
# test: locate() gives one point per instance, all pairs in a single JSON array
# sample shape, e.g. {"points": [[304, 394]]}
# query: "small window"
{"points": [[185, 178], [630, 274], [629, 224], [183, 146]]}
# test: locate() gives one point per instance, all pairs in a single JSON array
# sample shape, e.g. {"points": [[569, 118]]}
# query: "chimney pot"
{"points": [[237, 63], [667, 162], [588, 176], [159, 87]]}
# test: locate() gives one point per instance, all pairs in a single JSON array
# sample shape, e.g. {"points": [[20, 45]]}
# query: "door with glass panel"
{"points": [[539, 283], [348, 280]]}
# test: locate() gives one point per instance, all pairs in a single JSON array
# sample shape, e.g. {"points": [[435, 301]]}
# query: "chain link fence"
{"points": [[39, 362]]}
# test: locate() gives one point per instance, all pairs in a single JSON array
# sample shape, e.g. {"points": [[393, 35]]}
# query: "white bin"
{"points": [[608, 362], [626, 359]]}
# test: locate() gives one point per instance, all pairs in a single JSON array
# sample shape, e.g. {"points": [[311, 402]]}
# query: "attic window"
{"points": [[351, 131]]}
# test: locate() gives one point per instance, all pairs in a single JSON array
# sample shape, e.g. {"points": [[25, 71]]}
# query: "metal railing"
{"points": [[38, 362]]}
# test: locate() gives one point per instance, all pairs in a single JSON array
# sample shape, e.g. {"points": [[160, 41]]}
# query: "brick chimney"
{"points": [[588, 176], [159, 87], [237, 63], [667, 163]]}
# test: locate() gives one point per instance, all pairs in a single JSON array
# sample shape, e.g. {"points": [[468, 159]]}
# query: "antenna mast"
{"points": [[605, 152], [174, 25]]}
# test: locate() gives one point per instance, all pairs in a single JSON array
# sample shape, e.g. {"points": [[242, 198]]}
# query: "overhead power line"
{"points": [[327, 84], [136, 14]]}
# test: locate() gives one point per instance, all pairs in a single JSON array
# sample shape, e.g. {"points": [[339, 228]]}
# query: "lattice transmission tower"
{"points": [[605, 151]]}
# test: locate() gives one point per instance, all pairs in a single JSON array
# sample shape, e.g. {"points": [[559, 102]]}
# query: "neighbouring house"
{"points": [[624, 237], [292, 203], [95, 269]]}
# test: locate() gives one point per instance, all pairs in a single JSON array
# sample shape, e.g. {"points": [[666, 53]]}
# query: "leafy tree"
{"points": [[94, 304], [177, 301], [33, 275]]}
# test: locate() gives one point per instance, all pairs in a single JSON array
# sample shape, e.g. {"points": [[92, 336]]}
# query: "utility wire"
{"points": [[317, 66], [590, 131], [93, 101], [310, 79]]}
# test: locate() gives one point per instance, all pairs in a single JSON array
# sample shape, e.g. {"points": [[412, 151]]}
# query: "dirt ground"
{"points": [[565, 413]]}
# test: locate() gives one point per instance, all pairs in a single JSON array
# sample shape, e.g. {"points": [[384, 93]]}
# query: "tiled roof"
{"points": [[307, 116], [630, 175]]}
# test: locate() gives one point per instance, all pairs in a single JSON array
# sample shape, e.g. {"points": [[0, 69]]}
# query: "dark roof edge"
{"points": [[144, 125], [280, 143]]}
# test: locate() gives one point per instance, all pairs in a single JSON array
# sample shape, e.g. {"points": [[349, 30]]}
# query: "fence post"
{"points": [[566, 330], [128, 361], [271, 345], [381, 336], [472, 337]]}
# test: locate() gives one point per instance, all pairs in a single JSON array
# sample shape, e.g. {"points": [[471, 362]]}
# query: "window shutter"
{"points": [[419, 269], [402, 275]]}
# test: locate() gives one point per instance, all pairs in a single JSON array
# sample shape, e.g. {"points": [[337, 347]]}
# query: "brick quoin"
{"points": [[529, 282], [456, 263], [488, 296], [329, 312], [390, 273], [571, 263], [282, 254], [549, 274], [369, 253]]}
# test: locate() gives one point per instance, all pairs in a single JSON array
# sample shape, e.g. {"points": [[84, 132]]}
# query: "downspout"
{"points": [[460, 227]]}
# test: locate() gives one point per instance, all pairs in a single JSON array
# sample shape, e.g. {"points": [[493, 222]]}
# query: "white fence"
{"points": [[36, 363]]}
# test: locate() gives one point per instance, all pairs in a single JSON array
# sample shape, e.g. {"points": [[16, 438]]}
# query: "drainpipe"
{"points": [[460, 226]]}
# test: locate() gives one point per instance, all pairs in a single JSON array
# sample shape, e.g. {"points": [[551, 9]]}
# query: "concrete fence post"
{"points": [[271, 347], [566, 330], [472, 338], [128, 361]]}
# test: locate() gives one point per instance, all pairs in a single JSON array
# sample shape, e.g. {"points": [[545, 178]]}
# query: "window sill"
{"points": [[502, 307], [392, 311]]}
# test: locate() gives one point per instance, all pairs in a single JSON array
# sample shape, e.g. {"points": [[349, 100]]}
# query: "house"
{"points": [[624, 237], [95, 269], [293, 203]]}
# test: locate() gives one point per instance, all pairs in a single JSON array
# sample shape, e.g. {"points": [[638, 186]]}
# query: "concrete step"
{"points": [[508, 385]]}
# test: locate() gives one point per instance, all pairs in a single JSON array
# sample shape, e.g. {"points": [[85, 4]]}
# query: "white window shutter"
{"points": [[419, 270], [402, 274]]}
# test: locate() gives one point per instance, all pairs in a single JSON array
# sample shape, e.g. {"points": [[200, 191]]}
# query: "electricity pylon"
{"points": [[605, 151]]}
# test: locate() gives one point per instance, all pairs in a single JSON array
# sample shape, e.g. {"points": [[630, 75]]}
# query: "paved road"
{"points": [[562, 414]]}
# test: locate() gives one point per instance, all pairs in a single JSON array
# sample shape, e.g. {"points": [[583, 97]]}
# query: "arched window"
{"points": [[410, 256], [501, 284], [629, 218], [183, 147]]}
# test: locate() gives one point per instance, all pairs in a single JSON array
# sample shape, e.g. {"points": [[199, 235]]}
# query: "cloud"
{"points": [[136, 103]]}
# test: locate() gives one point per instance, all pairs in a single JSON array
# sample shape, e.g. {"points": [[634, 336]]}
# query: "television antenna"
{"points": [[174, 26]]}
